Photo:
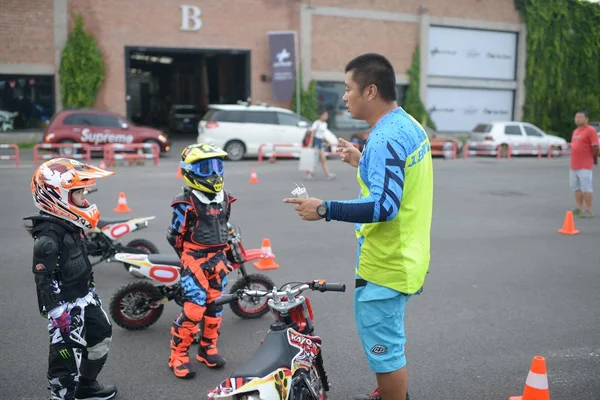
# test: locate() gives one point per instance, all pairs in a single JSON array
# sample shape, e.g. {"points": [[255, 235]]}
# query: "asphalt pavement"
{"points": [[503, 287]]}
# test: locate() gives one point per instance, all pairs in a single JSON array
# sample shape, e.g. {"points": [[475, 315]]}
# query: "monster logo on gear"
{"points": [[202, 167]]}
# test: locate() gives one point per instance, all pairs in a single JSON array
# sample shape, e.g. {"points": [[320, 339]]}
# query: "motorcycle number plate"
{"points": [[119, 230]]}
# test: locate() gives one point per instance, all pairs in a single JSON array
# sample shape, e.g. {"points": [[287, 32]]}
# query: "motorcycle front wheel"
{"points": [[141, 246], [136, 306], [251, 308]]}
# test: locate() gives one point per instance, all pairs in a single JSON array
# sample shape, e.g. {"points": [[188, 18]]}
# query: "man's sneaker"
{"points": [[376, 395], [576, 211], [95, 391], [587, 214]]}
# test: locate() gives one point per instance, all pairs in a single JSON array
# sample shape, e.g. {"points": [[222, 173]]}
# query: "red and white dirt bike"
{"points": [[103, 241], [139, 304], [288, 365]]}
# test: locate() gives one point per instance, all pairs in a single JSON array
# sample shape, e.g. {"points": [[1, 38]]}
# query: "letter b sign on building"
{"points": [[190, 18]]}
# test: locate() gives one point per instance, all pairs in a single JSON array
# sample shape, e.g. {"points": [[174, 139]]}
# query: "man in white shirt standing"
{"points": [[317, 136]]}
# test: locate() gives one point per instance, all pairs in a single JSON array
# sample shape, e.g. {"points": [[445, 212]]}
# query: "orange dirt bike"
{"points": [[139, 304], [288, 364]]}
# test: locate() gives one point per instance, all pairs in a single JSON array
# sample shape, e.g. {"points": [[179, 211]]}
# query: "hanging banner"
{"points": [[282, 51]]}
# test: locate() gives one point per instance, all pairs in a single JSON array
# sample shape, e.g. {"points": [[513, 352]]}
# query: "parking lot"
{"points": [[503, 287]]}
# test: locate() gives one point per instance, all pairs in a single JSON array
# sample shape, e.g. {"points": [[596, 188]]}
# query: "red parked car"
{"points": [[98, 128]]}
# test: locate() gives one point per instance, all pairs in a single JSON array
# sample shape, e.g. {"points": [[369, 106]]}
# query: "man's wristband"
{"points": [[328, 215]]}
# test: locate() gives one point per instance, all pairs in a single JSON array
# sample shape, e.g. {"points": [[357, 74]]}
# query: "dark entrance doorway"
{"points": [[171, 88]]}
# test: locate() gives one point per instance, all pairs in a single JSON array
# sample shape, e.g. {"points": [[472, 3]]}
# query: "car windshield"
{"points": [[186, 110], [484, 128], [123, 120]]}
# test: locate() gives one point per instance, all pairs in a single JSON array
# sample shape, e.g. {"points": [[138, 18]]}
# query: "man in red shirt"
{"points": [[584, 154]]}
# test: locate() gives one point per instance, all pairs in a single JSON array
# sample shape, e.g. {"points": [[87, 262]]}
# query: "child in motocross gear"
{"points": [[80, 332], [198, 232]]}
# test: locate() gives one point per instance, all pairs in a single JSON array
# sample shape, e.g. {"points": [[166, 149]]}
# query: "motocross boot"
{"points": [[179, 360], [62, 388], [88, 387], [376, 395], [207, 350]]}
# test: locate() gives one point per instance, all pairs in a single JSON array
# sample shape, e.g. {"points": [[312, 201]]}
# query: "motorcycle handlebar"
{"points": [[333, 287], [321, 286]]}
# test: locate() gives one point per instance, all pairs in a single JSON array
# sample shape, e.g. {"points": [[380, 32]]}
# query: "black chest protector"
{"points": [[206, 224], [73, 271]]}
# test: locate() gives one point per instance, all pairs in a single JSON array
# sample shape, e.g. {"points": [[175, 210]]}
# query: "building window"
{"points": [[329, 98], [26, 101]]}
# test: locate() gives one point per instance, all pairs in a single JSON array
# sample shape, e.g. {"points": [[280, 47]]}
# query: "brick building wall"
{"points": [[117, 24], [330, 32], [26, 32]]}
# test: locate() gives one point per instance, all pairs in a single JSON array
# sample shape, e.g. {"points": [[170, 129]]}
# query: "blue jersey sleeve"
{"points": [[385, 160], [178, 219]]}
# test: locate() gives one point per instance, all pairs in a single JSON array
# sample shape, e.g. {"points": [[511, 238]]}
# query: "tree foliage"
{"points": [[413, 104], [81, 68], [309, 106], [563, 68]]}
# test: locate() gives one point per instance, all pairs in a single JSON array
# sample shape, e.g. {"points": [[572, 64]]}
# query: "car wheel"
{"points": [[66, 151], [235, 150]]}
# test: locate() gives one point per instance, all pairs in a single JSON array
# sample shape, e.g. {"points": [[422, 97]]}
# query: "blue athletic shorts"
{"points": [[379, 316]]}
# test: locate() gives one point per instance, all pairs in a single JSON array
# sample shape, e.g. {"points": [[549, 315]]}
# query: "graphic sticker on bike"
{"points": [[281, 379], [230, 385], [309, 349]]}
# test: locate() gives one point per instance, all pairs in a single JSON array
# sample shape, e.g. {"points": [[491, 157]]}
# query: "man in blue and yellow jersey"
{"points": [[392, 216]]}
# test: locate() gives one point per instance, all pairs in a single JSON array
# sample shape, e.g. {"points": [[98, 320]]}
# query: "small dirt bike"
{"points": [[103, 240], [139, 304], [288, 365]]}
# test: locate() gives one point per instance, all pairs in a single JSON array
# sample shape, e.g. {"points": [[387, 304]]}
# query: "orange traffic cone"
{"points": [[536, 385], [122, 204], [179, 172], [266, 262], [568, 225], [253, 177]]}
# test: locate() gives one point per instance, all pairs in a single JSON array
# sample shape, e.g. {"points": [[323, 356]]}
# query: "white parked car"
{"points": [[524, 139], [240, 129]]}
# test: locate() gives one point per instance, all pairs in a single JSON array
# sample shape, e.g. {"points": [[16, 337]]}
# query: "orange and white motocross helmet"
{"points": [[52, 184]]}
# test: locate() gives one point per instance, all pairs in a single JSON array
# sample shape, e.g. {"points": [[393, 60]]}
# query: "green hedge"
{"points": [[81, 68], [309, 105], [413, 104], [563, 62]]}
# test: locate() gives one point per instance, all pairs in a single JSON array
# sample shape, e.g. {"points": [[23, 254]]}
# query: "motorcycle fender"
{"points": [[139, 223], [165, 274], [120, 229], [276, 385], [140, 260]]}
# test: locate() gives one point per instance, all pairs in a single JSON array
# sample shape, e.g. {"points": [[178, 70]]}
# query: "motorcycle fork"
{"points": [[322, 372], [242, 271]]}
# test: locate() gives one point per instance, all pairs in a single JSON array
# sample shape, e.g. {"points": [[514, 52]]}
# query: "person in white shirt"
{"points": [[316, 140]]}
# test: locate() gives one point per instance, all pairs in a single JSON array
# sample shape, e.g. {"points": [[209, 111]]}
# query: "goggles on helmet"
{"points": [[205, 167]]}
